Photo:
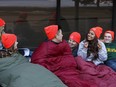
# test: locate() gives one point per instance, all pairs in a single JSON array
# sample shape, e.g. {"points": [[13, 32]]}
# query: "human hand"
{"points": [[102, 40], [99, 46], [86, 44]]}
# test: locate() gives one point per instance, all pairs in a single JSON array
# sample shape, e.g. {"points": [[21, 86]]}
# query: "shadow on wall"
{"points": [[63, 22], [23, 30]]}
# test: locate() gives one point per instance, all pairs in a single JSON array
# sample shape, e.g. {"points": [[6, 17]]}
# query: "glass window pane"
{"points": [[87, 3], [82, 18], [28, 22], [28, 3], [67, 17], [105, 3]]}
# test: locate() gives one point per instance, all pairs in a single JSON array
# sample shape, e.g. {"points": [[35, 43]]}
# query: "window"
{"points": [[82, 15], [27, 18]]}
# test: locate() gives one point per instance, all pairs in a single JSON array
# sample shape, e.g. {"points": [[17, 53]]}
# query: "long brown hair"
{"points": [[92, 47], [7, 52]]}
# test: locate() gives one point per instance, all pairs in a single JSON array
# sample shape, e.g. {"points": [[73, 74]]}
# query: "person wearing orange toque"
{"points": [[111, 49], [2, 25], [17, 71], [74, 40], [108, 36], [92, 54], [92, 49], [55, 55]]}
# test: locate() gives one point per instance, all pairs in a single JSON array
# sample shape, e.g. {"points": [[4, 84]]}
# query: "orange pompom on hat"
{"points": [[97, 31], [51, 31], [2, 22], [111, 32], [8, 40], [75, 36]]}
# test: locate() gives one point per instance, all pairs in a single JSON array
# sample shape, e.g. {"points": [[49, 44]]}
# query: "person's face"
{"points": [[72, 43], [107, 38], [15, 45], [59, 35], [90, 35]]}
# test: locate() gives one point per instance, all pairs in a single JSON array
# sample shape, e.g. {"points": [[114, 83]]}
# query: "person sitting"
{"points": [[74, 40], [92, 54], [2, 25], [17, 71], [55, 54], [92, 49], [111, 49]]}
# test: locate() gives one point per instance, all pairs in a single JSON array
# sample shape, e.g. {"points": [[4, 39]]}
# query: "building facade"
{"points": [[27, 18]]}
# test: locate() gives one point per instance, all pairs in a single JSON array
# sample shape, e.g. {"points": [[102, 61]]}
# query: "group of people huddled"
{"points": [[60, 63]]}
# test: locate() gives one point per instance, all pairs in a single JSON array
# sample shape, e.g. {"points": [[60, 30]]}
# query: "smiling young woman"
{"points": [[92, 49]]}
